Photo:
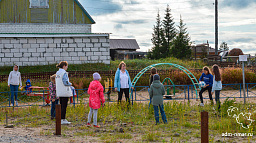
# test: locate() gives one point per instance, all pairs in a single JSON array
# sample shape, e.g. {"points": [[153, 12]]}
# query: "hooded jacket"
{"points": [[14, 78], [156, 92], [96, 94], [27, 86]]}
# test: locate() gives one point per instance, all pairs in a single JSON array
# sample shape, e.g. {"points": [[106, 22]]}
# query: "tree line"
{"points": [[169, 41]]}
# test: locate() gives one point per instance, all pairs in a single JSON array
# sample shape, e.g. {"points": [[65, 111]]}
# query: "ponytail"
{"points": [[61, 64]]}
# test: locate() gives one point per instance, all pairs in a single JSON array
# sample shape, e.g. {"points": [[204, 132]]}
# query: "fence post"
{"points": [[58, 119], [9, 98], [247, 89], [132, 96], [240, 91], [43, 98], [204, 127], [74, 99], [188, 92], [135, 93]]}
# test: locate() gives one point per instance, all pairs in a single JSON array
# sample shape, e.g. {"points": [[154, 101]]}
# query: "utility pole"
{"points": [[216, 27]]}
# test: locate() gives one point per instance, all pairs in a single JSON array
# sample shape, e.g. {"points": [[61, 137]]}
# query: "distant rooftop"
{"points": [[130, 44]]}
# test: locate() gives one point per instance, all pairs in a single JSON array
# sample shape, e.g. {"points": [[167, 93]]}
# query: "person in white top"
{"points": [[122, 82], [63, 89], [14, 80]]}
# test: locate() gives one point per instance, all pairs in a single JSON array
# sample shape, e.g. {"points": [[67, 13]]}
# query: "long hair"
{"points": [[61, 64], [52, 78], [216, 72], [207, 69]]}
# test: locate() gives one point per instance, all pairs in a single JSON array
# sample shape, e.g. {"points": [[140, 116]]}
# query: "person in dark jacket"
{"points": [[208, 79], [156, 92], [153, 72]]}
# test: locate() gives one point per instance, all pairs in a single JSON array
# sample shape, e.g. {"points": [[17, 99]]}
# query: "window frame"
{"points": [[46, 2]]}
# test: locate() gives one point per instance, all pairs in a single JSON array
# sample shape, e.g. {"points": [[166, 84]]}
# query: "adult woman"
{"points": [[63, 89], [14, 80], [122, 82]]}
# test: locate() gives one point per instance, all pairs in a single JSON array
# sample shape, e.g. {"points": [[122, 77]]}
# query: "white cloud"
{"points": [[135, 19]]}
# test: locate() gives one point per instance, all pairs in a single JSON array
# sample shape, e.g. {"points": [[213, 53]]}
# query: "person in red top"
{"points": [[96, 99]]}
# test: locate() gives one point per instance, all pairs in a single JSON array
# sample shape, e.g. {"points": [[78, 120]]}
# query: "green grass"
{"points": [[140, 124], [135, 64]]}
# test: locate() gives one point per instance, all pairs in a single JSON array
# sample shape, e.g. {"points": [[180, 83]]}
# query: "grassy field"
{"points": [[131, 65], [134, 125]]}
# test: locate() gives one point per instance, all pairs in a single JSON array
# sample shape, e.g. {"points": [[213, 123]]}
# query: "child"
{"points": [[96, 98], [217, 85], [156, 92], [28, 85], [14, 80], [54, 99], [153, 72], [208, 79]]}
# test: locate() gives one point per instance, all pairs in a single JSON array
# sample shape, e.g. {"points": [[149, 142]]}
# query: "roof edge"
{"points": [[86, 13]]}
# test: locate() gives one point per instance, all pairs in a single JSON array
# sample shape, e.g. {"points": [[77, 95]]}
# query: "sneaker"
{"points": [[201, 104], [52, 118], [67, 121], [96, 126], [16, 102], [88, 125], [11, 104], [64, 122]]}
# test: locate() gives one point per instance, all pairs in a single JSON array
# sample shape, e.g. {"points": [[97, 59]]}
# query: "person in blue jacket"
{"points": [[27, 87], [122, 82], [208, 79]]}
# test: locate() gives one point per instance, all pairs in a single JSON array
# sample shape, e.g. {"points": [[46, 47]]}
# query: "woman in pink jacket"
{"points": [[96, 98]]}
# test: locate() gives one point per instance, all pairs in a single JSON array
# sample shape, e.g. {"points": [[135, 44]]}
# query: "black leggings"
{"points": [[64, 104], [126, 93], [209, 91]]}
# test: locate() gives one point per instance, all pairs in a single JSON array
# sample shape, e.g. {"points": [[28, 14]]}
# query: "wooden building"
{"points": [[40, 32]]}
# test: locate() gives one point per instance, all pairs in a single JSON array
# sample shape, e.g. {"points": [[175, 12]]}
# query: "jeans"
{"points": [[53, 111], [64, 104], [126, 93], [14, 91], [209, 91], [95, 112], [217, 98], [156, 111]]}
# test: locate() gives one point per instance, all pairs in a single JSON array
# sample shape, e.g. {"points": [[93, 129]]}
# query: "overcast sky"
{"points": [[135, 19]]}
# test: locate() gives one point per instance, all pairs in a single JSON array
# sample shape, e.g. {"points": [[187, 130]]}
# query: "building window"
{"points": [[39, 4]]}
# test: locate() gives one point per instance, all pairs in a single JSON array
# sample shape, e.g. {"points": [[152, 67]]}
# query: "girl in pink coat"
{"points": [[96, 99]]}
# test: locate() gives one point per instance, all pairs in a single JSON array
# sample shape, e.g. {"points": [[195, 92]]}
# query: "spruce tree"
{"points": [[156, 39], [169, 31], [181, 48]]}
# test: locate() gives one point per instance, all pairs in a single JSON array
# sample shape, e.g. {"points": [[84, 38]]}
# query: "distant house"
{"points": [[202, 50], [121, 49], [41, 32]]}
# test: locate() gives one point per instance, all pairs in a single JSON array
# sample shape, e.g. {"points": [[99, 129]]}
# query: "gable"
{"points": [[57, 11]]}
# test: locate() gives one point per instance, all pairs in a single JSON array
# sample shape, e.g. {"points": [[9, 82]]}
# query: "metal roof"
{"points": [[123, 44]]}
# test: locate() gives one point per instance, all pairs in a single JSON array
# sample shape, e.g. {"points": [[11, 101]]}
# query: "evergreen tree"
{"points": [[169, 31], [181, 48], [224, 46], [156, 39]]}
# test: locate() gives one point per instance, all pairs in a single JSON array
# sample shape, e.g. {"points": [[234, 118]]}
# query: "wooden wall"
{"points": [[59, 11]]}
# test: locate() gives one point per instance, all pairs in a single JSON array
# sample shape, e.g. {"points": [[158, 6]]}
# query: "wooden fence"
{"points": [[87, 74]]}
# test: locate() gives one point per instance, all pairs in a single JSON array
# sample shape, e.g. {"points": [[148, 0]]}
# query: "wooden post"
{"points": [[204, 127], [58, 119]]}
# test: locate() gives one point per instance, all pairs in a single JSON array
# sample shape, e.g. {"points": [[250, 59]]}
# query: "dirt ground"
{"points": [[37, 135]]}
